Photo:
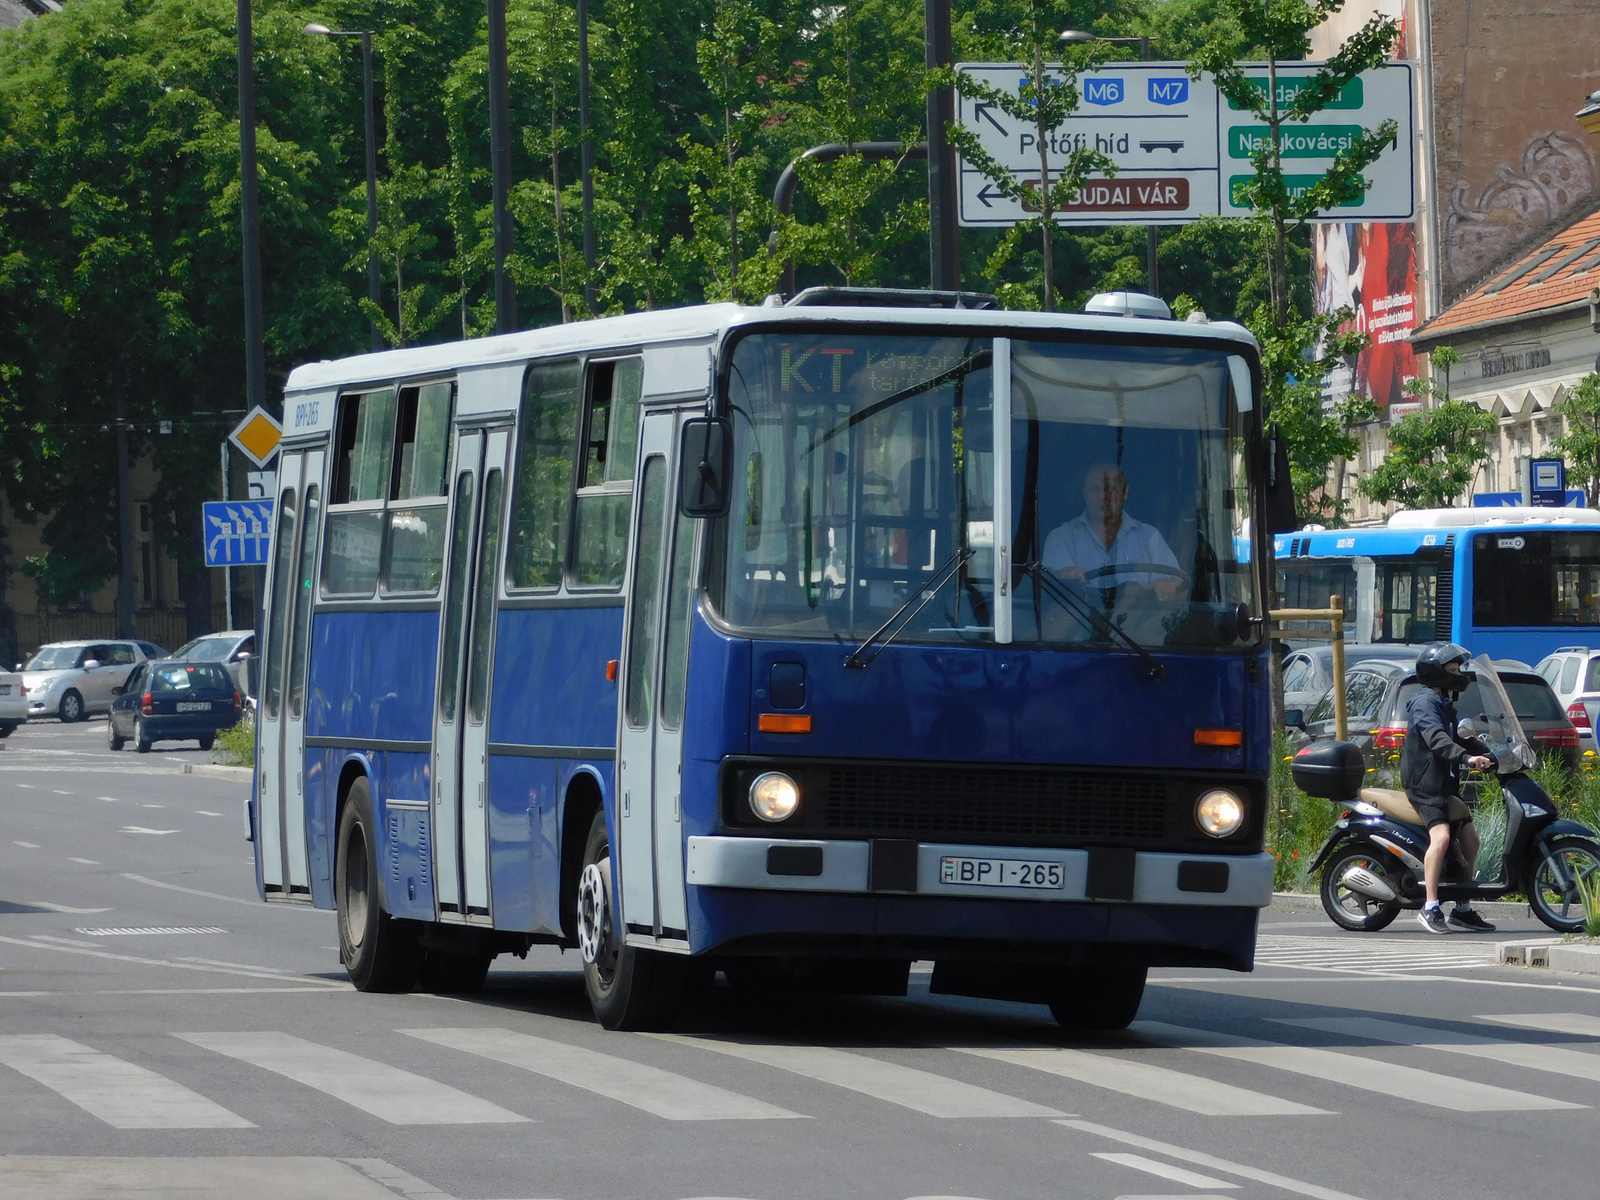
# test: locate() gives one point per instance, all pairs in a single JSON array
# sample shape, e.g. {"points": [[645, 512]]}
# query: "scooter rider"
{"points": [[1430, 768]]}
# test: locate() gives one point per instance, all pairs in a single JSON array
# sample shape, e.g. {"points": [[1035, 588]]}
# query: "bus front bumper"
{"points": [[947, 870]]}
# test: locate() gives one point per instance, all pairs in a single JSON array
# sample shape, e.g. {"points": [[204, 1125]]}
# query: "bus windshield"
{"points": [[867, 472]]}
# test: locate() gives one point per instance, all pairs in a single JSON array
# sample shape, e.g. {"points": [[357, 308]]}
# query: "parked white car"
{"points": [[1573, 673], [13, 703], [232, 648], [70, 680]]}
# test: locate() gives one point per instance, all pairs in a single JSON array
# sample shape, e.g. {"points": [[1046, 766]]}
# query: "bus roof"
{"points": [[1419, 532], [710, 321]]}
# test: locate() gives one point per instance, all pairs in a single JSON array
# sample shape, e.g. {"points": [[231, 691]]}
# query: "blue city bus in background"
{"points": [[1513, 583], [742, 640]]}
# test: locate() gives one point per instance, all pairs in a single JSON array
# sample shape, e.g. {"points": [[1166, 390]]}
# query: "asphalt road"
{"points": [[164, 1033]]}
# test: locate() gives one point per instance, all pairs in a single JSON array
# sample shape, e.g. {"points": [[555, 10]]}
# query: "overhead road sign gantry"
{"points": [[1180, 149]]}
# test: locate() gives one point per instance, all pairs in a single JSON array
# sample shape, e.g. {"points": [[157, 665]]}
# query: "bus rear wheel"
{"points": [[380, 953], [628, 988], [1103, 998]]}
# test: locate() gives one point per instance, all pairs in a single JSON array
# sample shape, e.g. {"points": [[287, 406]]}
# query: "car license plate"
{"points": [[194, 706], [1001, 872]]}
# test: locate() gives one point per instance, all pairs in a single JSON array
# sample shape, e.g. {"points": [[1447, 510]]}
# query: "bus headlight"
{"points": [[774, 796], [1219, 812]]}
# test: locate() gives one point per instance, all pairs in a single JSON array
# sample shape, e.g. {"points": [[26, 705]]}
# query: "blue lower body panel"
{"points": [[737, 921]]}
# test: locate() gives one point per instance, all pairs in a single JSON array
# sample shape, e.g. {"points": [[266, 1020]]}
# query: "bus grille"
{"points": [[1038, 807]]}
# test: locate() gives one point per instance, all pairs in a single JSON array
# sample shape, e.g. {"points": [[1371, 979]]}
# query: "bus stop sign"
{"points": [[238, 533]]}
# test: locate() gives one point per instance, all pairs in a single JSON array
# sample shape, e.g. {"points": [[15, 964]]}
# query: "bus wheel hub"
{"points": [[592, 891]]}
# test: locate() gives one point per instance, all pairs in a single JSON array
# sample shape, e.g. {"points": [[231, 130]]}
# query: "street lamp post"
{"points": [[1152, 263], [505, 288], [944, 243], [374, 282]]}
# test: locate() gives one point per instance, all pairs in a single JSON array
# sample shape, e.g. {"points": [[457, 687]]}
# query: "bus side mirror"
{"points": [[1280, 514], [705, 467]]}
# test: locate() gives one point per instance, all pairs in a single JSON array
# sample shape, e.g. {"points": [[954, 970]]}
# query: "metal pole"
{"points": [[374, 280], [227, 571], [1341, 723], [124, 511], [255, 355], [586, 156], [505, 290], [1152, 265], [944, 243]]}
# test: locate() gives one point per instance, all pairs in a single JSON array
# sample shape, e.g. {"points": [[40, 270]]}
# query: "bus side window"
{"points": [[413, 544], [362, 454], [605, 486], [547, 433]]}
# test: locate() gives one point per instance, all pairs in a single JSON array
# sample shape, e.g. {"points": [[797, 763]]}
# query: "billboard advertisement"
{"points": [[1371, 267]]}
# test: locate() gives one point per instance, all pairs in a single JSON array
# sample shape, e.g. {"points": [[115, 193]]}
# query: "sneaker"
{"points": [[1432, 919], [1469, 919]]}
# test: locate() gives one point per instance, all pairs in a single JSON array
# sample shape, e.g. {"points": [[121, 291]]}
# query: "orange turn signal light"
{"points": [[611, 669], [784, 723], [1218, 737]]}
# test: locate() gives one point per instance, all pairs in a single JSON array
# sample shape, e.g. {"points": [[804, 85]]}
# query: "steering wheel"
{"points": [[1137, 568]]}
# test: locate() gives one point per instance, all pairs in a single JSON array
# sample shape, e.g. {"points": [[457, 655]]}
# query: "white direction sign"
{"points": [[1181, 151]]}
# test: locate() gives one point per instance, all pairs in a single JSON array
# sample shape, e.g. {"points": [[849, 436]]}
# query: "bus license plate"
{"points": [[194, 706], [1001, 872]]}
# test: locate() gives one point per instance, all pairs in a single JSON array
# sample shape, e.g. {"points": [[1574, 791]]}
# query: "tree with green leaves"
{"points": [[1580, 445], [1433, 456], [1045, 99]]}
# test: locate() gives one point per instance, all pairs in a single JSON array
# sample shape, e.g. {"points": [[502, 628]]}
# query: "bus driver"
{"points": [[1091, 547]]}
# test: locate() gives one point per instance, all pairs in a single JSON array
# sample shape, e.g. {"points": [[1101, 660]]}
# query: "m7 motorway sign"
{"points": [[1181, 151]]}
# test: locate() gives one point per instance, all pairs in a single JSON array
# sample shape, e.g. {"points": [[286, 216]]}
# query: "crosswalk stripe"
{"points": [[1146, 1081], [674, 1097], [1577, 1023], [1558, 1060], [936, 1095], [392, 1095], [122, 1094], [1353, 1070], [1166, 1170]]}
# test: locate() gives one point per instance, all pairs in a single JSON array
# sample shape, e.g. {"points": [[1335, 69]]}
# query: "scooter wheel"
{"points": [[1568, 870], [1348, 908]]}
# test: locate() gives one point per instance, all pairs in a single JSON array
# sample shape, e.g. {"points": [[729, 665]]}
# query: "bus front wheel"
{"points": [[628, 987], [1106, 998], [380, 953]]}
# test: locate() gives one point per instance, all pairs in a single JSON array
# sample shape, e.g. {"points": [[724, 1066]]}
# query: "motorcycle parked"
{"points": [[1372, 862]]}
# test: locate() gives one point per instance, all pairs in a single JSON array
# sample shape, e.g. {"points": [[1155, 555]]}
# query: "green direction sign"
{"points": [[1294, 141], [1298, 186], [1352, 95]]}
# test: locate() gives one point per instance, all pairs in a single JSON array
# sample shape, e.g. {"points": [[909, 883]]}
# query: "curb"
{"points": [[216, 771], [1306, 902], [1551, 954]]}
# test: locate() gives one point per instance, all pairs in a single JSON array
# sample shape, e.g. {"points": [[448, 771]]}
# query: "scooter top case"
{"points": [[1330, 770]]}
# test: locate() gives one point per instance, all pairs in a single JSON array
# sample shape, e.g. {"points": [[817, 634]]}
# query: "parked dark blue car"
{"points": [[172, 701]]}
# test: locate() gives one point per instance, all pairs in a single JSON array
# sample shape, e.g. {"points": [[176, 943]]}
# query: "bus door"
{"points": [[285, 869], [466, 652], [654, 669]]}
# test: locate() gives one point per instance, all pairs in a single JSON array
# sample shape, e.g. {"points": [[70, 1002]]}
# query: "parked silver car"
{"points": [[1573, 673], [70, 680], [232, 648], [1308, 671]]}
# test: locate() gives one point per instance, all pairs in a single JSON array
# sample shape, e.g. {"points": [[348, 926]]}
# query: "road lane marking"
{"points": [[233, 991], [254, 903], [142, 829], [154, 962], [110, 799], [1183, 1154], [1576, 1023], [27, 845], [29, 786], [152, 806], [1354, 1070], [1166, 1170], [200, 812], [59, 792], [1557, 1060], [1146, 1081], [121, 1094], [88, 862], [145, 930], [674, 1097], [936, 1095], [393, 1178], [236, 1177], [388, 1093], [67, 908]]}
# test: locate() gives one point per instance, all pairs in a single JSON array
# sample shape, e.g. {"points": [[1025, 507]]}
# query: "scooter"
{"points": [[1371, 864]]}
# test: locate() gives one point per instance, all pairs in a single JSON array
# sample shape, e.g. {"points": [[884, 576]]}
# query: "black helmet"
{"points": [[1433, 660]]}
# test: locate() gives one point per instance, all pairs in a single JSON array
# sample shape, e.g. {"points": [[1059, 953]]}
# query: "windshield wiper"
{"points": [[973, 362], [1097, 621], [926, 592]]}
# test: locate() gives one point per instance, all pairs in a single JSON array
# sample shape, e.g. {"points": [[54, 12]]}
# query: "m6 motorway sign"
{"points": [[1182, 151]]}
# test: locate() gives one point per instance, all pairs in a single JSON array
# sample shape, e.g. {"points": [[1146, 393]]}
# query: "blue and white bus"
{"points": [[1508, 582], [749, 639]]}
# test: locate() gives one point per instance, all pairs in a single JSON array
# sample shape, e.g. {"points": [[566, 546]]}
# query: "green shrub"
{"points": [[237, 746]]}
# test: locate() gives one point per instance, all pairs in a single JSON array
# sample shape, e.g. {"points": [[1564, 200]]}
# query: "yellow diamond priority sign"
{"points": [[257, 436]]}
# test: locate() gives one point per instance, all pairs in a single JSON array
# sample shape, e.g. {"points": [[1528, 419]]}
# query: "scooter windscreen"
{"points": [[1497, 722]]}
